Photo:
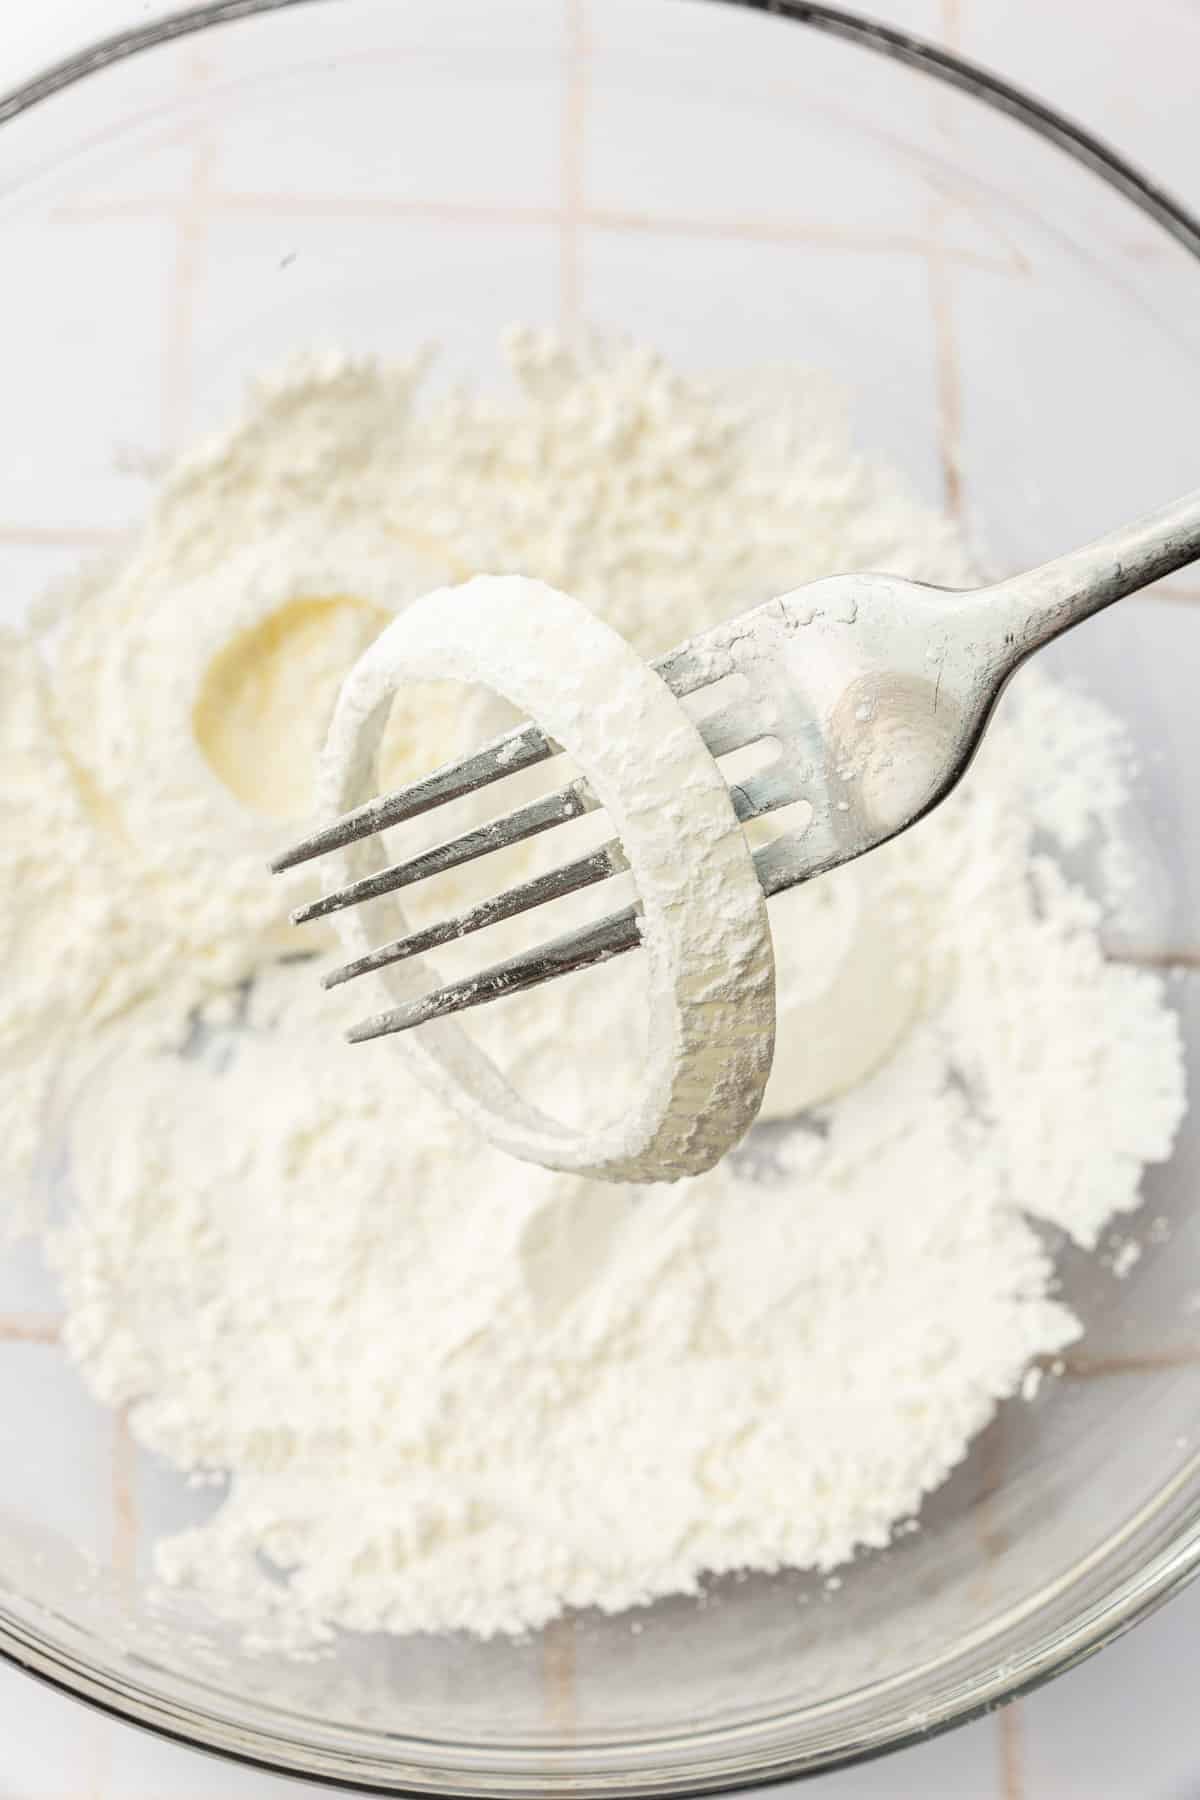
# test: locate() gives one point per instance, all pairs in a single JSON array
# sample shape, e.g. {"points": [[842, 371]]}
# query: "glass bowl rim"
{"points": [[1134, 1598]]}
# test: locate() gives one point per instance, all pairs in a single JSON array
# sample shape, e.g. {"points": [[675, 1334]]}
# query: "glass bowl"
{"points": [[1017, 317]]}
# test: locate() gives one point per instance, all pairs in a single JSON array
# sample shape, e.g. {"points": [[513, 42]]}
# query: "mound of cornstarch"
{"points": [[446, 1389]]}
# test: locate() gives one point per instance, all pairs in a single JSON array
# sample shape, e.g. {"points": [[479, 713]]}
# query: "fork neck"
{"points": [[1040, 604]]}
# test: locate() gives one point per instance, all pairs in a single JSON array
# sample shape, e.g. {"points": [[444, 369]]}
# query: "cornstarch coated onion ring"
{"points": [[709, 966]]}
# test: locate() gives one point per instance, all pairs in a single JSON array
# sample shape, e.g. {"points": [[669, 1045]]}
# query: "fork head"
{"points": [[867, 693], [873, 692]]}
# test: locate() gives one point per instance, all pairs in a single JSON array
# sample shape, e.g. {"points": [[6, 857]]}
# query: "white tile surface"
{"points": [[52, 1748], [962, 1765], [143, 1767], [1126, 72], [28, 570], [55, 1449], [417, 151], [27, 1288], [57, 279], [1125, 1723], [1123, 1727], [661, 138], [1062, 360]]}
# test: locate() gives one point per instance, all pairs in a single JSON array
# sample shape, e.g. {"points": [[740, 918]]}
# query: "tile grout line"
{"points": [[100, 1733], [715, 227], [99, 1744], [123, 1549], [1011, 1727], [952, 26], [191, 230], [571, 182], [1007, 1724], [780, 231], [948, 386], [234, 201], [1154, 959], [947, 375], [124, 1501], [991, 1474], [1148, 1362], [190, 215], [57, 537], [558, 1674], [16, 1328]]}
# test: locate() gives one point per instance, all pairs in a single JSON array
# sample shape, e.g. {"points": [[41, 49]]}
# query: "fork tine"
{"points": [[580, 949], [570, 802], [732, 728], [694, 665], [764, 792], [586, 870], [522, 748]]}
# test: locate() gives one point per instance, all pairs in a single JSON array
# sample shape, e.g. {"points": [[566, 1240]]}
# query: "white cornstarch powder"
{"points": [[449, 1389]]}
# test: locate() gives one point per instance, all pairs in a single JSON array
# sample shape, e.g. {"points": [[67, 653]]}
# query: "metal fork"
{"points": [[871, 692]]}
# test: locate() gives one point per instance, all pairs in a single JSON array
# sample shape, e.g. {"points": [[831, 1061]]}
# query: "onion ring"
{"points": [[710, 967]]}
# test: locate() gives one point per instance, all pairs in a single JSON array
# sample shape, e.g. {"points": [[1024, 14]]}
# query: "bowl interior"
{"points": [[1014, 335]]}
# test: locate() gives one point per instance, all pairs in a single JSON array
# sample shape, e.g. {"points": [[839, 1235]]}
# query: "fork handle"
{"points": [[1043, 602]]}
